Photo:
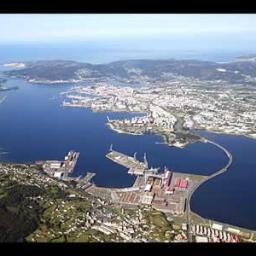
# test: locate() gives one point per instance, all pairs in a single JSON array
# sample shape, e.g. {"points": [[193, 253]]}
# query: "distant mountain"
{"points": [[248, 57], [71, 71]]}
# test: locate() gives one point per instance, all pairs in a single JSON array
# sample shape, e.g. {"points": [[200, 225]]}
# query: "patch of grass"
{"points": [[159, 220]]}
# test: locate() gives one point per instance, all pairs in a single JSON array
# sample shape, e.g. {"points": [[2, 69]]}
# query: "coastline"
{"points": [[162, 135], [154, 133], [212, 176], [192, 212], [120, 131], [207, 178], [225, 133]]}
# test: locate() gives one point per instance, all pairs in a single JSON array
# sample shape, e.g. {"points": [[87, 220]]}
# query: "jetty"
{"points": [[85, 181], [61, 169], [134, 166]]}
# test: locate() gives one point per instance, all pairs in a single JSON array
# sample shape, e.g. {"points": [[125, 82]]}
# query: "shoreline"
{"points": [[225, 133], [138, 134], [199, 184], [164, 136], [120, 131], [207, 178], [164, 142]]}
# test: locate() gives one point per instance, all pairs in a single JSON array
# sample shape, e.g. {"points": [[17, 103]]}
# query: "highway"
{"points": [[193, 189]]}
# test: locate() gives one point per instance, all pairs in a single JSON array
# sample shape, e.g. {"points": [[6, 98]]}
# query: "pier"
{"points": [[85, 181], [135, 167], [61, 169], [151, 187]]}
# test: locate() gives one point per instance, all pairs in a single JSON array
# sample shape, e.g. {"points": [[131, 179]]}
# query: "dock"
{"points": [[61, 169], [135, 167], [70, 162], [85, 181]]}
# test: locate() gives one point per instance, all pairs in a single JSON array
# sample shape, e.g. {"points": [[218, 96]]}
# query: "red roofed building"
{"points": [[167, 179], [177, 182], [184, 184]]}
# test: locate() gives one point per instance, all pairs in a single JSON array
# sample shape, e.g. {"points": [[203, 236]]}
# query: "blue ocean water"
{"points": [[99, 53], [230, 197], [34, 126]]}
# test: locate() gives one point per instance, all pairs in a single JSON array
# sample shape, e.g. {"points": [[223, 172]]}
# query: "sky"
{"points": [[78, 27], [107, 37]]}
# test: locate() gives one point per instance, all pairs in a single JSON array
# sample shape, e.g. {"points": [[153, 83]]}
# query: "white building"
{"points": [[217, 226], [201, 239]]}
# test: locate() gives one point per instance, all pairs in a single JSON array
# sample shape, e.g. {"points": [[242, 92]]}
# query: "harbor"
{"points": [[61, 169], [164, 190], [52, 134], [170, 192], [134, 166]]}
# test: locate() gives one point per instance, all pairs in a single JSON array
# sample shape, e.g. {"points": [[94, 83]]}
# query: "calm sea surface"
{"points": [[34, 126]]}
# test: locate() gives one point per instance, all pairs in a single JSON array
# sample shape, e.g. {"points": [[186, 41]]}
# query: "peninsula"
{"points": [[173, 98], [178, 97]]}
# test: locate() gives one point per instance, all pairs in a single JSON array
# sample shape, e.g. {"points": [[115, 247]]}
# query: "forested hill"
{"points": [[71, 71]]}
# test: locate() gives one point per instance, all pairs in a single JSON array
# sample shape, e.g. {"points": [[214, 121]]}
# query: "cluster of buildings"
{"points": [[215, 233], [202, 104], [150, 189], [154, 121], [162, 118], [166, 191], [125, 229], [28, 175], [74, 222], [180, 183], [60, 169], [166, 196]]}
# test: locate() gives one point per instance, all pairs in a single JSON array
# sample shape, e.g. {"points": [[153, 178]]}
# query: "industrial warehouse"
{"points": [[165, 191], [61, 169]]}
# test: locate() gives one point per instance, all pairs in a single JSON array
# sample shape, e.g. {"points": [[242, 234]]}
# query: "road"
{"points": [[190, 192]]}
